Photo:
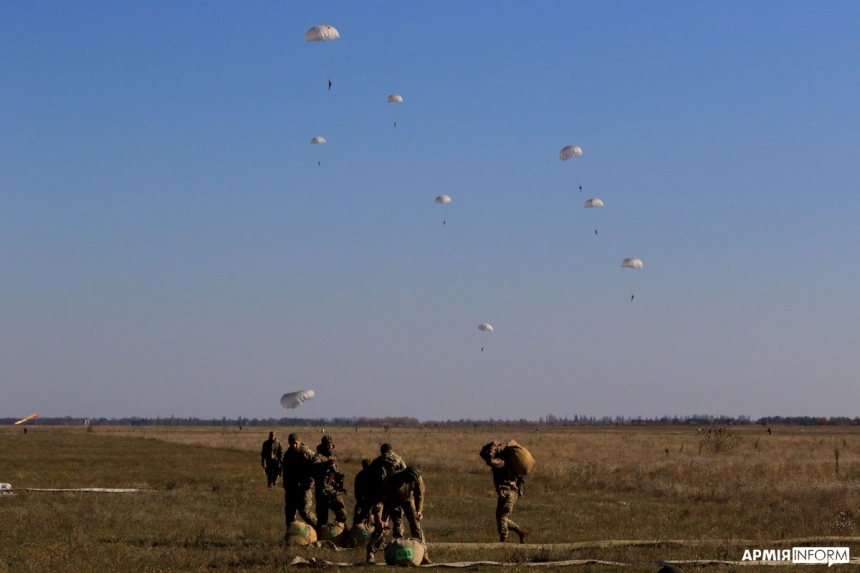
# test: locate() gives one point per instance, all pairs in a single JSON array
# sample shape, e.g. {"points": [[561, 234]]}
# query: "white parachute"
{"points": [[322, 33], [443, 199], [317, 140], [395, 98], [484, 327], [295, 399], [569, 152], [632, 263], [593, 203]]}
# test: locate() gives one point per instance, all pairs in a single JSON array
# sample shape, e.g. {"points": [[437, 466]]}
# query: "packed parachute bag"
{"points": [[404, 552], [518, 459], [360, 534], [300, 533], [334, 532]]}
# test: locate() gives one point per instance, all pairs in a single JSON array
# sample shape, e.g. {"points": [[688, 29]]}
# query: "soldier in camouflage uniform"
{"points": [[383, 466], [403, 490], [298, 477], [507, 488], [328, 483], [270, 458]]}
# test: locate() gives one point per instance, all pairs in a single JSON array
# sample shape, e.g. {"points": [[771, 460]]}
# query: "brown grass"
{"points": [[668, 486]]}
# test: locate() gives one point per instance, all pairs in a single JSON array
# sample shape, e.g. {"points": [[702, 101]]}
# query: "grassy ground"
{"points": [[690, 496]]}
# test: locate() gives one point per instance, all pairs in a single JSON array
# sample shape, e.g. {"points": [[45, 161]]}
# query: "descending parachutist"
{"points": [[319, 162], [482, 349], [395, 124], [443, 222], [595, 231], [580, 188], [631, 297], [329, 85]]}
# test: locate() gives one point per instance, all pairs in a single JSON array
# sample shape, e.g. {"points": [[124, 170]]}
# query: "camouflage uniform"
{"points": [[271, 456], [404, 491], [298, 478], [382, 467], [328, 497], [506, 489]]}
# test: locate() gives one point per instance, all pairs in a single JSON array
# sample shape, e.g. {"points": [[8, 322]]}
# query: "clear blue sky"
{"points": [[170, 246]]}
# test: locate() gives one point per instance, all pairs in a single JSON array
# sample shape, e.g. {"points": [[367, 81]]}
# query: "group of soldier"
{"points": [[385, 489]]}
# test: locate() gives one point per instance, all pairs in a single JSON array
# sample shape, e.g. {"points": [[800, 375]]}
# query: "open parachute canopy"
{"points": [[322, 33], [317, 140], [295, 399], [484, 327], [593, 203], [631, 263], [395, 98], [443, 199], [569, 152]]}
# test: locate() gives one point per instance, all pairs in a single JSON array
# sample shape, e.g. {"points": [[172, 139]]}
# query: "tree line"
{"points": [[549, 420]]}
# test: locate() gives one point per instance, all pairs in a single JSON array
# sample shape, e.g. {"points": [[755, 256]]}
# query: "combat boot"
{"points": [[523, 534], [503, 539]]}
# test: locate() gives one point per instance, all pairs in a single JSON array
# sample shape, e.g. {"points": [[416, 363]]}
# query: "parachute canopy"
{"points": [[592, 203], [485, 327], [395, 98], [322, 33], [443, 199], [631, 263], [295, 399], [26, 419], [317, 140], [569, 152]]}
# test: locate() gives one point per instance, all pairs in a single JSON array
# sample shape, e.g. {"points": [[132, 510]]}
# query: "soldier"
{"points": [[270, 458], [384, 465], [402, 490], [328, 483], [507, 488], [298, 477], [364, 488]]}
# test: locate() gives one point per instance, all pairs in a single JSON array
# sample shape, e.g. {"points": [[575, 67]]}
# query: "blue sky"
{"points": [[170, 246]]}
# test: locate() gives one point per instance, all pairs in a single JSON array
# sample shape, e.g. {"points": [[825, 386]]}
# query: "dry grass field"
{"points": [[680, 495]]}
